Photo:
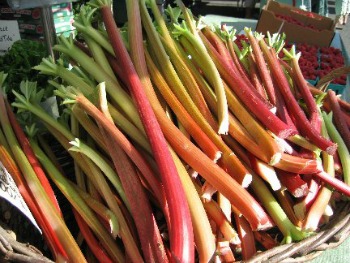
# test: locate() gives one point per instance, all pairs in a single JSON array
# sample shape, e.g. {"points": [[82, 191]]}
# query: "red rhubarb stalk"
{"points": [[261, 65], [294, 183], [90, 239], [302, 122], [253, 103], [301, 85]]}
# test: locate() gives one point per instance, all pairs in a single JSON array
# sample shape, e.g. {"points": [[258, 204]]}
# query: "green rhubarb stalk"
{"points": [[76, 131], [343, 151], [25, 104], [116, 92], [100, 162], [73, 251], [324, 195], [211, 72], [49, 67], [99, 208], [82, 23], [190, 83], [96, 177], [79, 204], [89, 126], [289, 230], [99, 56]]}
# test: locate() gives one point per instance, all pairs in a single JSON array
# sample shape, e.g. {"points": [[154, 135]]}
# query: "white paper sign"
{"points": [[9, 33], [10, 192]]}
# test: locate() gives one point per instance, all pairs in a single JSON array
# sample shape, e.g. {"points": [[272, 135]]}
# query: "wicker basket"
{"points": [[330, 236]]}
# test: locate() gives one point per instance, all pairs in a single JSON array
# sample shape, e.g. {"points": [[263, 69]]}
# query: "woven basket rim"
{"points": [[330, 236]]}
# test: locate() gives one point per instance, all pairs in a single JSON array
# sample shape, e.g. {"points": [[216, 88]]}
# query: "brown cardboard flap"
{"points": [[268, 22]]}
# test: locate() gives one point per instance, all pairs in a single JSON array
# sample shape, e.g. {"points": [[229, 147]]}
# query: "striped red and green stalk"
{"points": [[79, 204], [48, 232], [289, 230], [301, 85], [140, 207], [25, 145], [324, 195], [181, 240], [71, 250]]}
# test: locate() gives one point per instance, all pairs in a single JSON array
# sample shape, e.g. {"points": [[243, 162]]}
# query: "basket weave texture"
{"points": [[330, 236]]}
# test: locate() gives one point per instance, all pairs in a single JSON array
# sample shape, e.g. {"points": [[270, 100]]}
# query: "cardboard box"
{"points": [[315, 29]]}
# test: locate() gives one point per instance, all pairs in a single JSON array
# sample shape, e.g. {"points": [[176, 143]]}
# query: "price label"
{"points": [[10, 192], [9, 33]]}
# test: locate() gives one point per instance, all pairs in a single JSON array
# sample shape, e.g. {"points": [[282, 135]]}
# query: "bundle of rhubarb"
{"points": [[186, 146]]}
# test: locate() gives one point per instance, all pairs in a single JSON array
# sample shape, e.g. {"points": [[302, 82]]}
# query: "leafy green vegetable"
{"points": [[19, 61]]}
